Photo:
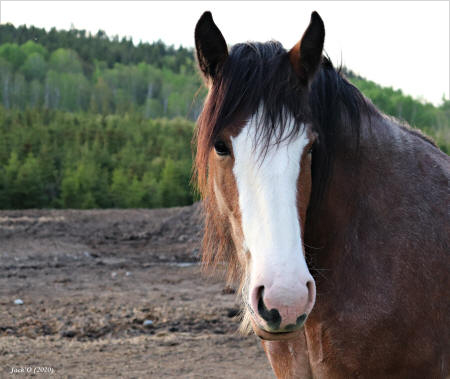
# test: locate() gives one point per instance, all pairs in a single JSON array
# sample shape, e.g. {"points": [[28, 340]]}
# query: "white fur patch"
{"points": [[267, 188]]}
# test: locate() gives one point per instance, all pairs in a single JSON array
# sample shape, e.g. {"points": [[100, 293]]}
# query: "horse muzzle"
{"points": [[278, 312]]}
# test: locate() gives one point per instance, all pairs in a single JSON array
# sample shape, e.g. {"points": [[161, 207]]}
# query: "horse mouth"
{"points": [[271, 336]]}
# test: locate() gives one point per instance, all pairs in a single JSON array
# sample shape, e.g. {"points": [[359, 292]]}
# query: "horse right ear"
{"points": [[306, 55], [211, 47]]}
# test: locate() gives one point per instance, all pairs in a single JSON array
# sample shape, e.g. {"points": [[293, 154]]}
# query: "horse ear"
{"points": [[306, 55], [210, 45]]}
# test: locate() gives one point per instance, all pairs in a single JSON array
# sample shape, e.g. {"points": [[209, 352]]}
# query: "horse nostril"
{"points": [[259, 292], [259, 297], [272, 317]]}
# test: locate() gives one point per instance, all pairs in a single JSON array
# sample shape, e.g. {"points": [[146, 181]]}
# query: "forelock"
{"points": [[256, 80]]}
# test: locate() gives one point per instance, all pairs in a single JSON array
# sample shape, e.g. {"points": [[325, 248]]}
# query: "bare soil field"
{"points": [[116, 293]]}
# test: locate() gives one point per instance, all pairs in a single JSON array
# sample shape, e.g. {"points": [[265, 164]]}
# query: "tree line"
{"points": [[88, 121], [91, 47]]}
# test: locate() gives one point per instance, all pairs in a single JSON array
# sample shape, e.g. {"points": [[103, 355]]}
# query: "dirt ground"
{"points": [[116, 293]]}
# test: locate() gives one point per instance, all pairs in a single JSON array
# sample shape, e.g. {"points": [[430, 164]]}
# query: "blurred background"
{"points": [[99, 229], [98, 99]]}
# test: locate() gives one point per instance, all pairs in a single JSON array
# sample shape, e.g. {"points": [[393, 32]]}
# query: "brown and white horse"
{"points": [[331, 215]]}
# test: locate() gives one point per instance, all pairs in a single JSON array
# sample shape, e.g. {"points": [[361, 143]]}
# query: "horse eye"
{"points": [[221, 148]]}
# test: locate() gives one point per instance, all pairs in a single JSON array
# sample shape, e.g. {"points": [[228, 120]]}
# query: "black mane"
{"points": [[261, 73], [337, 108]]}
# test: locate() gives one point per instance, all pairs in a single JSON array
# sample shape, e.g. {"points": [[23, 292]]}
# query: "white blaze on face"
{"points": [[267, 187]]}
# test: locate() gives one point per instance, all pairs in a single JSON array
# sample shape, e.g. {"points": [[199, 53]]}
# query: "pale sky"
{"points": [[402, 44]]}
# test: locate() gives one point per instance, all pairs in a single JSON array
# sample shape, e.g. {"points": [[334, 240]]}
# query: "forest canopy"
{"points": [[90, 121]]}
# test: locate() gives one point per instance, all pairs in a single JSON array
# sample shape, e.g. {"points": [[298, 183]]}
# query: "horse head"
{"points": [[254, 144]]}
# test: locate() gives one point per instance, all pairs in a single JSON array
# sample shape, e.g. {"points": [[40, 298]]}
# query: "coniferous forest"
{"points": [[89, 121]]}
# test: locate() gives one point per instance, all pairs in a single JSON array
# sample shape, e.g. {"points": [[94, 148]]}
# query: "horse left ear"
{"points": [[306, 55], [211, 47]]}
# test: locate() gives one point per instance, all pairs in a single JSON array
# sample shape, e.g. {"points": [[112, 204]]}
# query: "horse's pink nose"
{"points": [[280, 309]]}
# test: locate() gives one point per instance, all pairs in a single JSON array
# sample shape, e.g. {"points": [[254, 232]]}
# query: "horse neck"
{"points": [[380, 246], [385, 180]]}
